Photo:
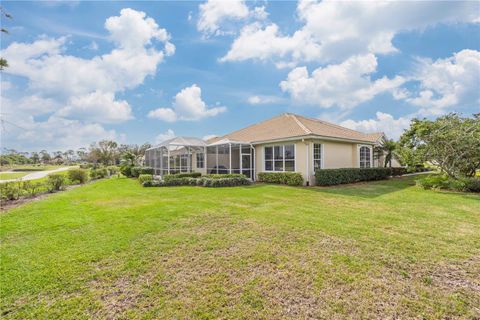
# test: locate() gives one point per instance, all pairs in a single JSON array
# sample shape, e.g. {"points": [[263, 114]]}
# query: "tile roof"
{"points": [[288, 125]]}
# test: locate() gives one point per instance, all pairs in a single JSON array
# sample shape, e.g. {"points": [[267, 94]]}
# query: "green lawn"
{"points": [[12, 175], [113, 249]]}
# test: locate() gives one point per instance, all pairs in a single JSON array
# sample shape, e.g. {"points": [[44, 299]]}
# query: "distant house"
{"points": [[284, 143]]}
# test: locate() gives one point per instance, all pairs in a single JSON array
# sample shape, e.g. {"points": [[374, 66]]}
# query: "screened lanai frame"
{"points": [[185, 154]]}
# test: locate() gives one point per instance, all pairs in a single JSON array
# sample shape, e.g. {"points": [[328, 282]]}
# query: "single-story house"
{"points": [[285, 143]]}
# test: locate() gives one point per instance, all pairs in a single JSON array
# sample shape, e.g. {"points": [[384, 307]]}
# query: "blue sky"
{"points": [[144, 71]]}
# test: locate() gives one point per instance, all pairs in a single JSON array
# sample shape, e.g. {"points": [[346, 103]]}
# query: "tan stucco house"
{"points": [[287, 142]]}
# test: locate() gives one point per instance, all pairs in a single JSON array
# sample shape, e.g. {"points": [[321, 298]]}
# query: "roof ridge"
{"points": [[300, 124]]}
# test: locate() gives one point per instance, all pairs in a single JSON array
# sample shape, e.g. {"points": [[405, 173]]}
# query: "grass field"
{"points": [[12, 175], [112, 249]]}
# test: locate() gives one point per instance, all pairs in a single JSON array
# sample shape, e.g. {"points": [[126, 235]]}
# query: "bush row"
{"points": [[327, 177], [135, 172], [224, 175], [288, 178], [202, 182], [54, 182], [442, 182], [182, 175]]}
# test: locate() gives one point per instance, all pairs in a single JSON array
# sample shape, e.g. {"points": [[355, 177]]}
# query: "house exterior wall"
{"points": [[335, 154]]}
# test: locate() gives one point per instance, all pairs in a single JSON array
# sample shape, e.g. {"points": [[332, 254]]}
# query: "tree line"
{"points": [[105, 152]]}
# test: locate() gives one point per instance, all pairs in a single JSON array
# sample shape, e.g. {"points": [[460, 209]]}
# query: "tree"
{"points": [[105, 152], [45, 156], [35, 157], [82, 154], [137, 150], [388, 149], [451, 142], [3, 13]]}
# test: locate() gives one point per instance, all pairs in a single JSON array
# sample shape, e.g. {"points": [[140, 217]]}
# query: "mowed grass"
{"points": [[112, 249], [12, 175]]}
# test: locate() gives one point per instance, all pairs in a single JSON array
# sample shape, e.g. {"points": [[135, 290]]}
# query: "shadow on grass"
{"points": [[371, 189]]}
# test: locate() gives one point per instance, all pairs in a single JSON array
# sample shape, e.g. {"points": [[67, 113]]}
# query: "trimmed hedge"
{"points": [[224, 175], [472, 184], [137, 171], [145, 177], [288, 178], [201, 182], [397, 171], [328, 177], [184, 175]]}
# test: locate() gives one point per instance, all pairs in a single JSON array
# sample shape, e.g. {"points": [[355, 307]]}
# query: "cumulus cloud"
{"points": [[336, 30], [187, 105], [344, 85], [213, 13], [75, 91], [444, 83], [383, 122], [169, 134]]}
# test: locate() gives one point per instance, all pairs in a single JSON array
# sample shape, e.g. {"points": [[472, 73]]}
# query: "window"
{"points": [[200, 160], [280, 158], [365, 157], [317, 156]]}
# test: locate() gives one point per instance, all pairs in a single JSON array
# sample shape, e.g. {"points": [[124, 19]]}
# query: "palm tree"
{"points": [[388, 148]]}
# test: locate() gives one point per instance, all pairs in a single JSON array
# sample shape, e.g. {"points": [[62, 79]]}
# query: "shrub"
{"points": [[126, 170], [397, 171], [32, 188], [55, 182], [288, 178], [78, 175], [145, 177], [113, 170], [326, 177], [99, 173], [136, 171], [187, 175], [203, 182], [10, 190], [441, 182], [472, 184], [224, 175], [86, 166]]}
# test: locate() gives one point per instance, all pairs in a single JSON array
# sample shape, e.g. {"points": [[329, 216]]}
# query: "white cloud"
{"points": [[263, 99], [344, 85], [187, 105], [62, 86], [336, 30], [169, 134], [97, 106], [213, 12], [383, 122], [446, 83], [165, 114]]}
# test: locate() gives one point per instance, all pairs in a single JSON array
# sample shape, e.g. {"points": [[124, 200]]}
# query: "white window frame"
{"points": [[202, 161], [371, 154], [273, 156], [322, 156]]}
